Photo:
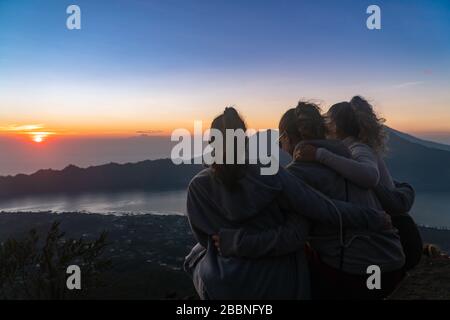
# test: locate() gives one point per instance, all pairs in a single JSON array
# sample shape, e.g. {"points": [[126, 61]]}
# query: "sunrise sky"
{"points": [[152, 66]]}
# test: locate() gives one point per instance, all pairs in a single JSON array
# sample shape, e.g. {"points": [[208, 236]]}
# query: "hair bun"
{"points": [[230, 111], [232, 120], [307, 110], [300, 109], [358, 103], [358, 99]]}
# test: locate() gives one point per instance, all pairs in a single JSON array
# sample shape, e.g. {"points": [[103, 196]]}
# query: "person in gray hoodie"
{"points": [[233, 196], [338, 271]]}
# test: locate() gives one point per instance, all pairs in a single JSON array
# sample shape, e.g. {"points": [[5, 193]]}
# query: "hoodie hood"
{"points": [[251, 194]]}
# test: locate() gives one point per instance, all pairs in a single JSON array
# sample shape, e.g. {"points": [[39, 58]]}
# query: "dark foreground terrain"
{"points": [[430, 281], [147, 253]]}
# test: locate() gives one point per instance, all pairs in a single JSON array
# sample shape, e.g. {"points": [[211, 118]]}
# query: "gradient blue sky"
{"points": [[157, 65]]}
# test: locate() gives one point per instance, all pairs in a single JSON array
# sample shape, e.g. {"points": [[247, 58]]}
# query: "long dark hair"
{"points": [[358, 119], [229, 174], [303, 122]]}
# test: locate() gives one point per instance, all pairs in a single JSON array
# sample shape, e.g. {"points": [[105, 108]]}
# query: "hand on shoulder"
{"points": [[305, 152]]}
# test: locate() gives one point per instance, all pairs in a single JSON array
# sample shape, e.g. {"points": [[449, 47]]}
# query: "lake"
{"points": [[431, 209], [133, 202]]}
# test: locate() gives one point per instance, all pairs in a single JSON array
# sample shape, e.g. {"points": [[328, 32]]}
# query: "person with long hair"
{"points": [[235, 195], [338, 265], [358, 126]]}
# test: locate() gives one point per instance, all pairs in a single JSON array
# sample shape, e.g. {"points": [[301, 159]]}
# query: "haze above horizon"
{"points": [[149, 67]]}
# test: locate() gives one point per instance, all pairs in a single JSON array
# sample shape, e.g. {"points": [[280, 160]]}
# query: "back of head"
{"points": [[226, 173], [358, 119], [303, 122], [229, 119]]}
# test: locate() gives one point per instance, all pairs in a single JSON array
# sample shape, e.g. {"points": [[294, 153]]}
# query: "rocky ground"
{"points": [[429, 281], [147, 253]]}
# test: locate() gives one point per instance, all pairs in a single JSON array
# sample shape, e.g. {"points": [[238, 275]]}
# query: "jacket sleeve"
{"points": [[315, 206], [398, 200], [200, 228], [362, 169], [281, 240]]}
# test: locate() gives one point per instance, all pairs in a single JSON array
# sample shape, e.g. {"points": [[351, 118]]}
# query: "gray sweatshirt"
{"points": [[259, 203], [362, 247], [364, 168]]}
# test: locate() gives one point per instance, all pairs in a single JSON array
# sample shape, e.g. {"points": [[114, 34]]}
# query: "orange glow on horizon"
{"points": [[39, 133]]}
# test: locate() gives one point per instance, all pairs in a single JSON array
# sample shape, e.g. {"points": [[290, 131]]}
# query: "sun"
{"points": [[38, 138]]}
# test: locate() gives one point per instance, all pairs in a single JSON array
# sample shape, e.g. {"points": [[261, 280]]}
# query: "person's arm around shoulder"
{"points": [[284, 239], [361, 169], [291, 235], [315, 206]]}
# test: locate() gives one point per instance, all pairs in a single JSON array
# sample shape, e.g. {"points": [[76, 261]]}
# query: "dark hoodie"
{"points": [[258, 203]]}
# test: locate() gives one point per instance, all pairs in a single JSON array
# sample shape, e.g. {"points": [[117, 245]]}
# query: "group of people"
{"points": [[311, 230]]}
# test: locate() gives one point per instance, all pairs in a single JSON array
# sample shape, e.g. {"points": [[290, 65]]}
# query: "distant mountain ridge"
{"points": [[144, 175], [423, 142], [416, 161]]}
